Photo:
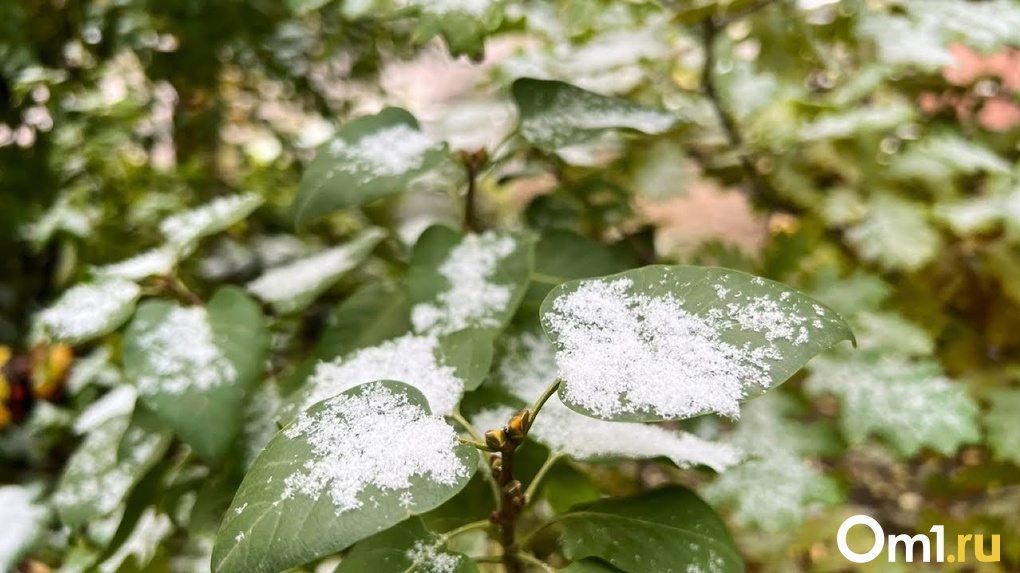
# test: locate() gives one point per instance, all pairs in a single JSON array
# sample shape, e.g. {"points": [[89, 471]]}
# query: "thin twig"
{"points": [[542, 471], [543, 399]]}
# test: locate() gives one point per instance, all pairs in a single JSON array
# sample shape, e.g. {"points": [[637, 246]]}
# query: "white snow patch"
{"points": [[23, 521], [159, 261], [181, 354], [376, 438], [531, 366], [87, 310], [473, 8], [428, 558], [472, 299], [286, 285], [392, 151], [152, 528], [410, 359], [762, 314], [622, 352], [185, 228], [118, 402]]}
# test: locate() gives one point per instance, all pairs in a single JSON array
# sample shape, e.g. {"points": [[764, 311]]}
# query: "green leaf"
{"points": [[672, 342], [562, 255], [399, 548], [196, 366], [555, 114], [292, 287], [469, 352], [158, 261], [660, 530], [896, 234], [103, 470], [90, 310], [184, 230], [589, 566], [470, 281], [305, 6], [143, 542], [856, 121], [775, 493], [371, 157], [910, 404], [464, 25], [25, 522], [1003, 424], [347, 468]]}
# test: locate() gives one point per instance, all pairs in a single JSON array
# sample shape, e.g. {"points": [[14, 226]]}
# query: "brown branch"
{"points": [[473, 163], [512, 499]]}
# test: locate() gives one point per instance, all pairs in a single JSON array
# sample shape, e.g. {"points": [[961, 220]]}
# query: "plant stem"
{"points": [[544, 398], [482, 524], [175, 287], [531, 559], [468, 427], [479, 442], [533, 486], [510, 506], [473, 163]]}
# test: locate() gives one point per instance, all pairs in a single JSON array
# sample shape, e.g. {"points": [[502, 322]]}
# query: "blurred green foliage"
{"points": [[872, 138]]}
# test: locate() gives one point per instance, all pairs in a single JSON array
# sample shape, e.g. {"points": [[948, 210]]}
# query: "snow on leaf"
{"points": [[900, 41], [183, 230], [179, 353], [428, 557], [90, 310], [411, 359], [23, 522], [1003, 424], [847, 124], [116, 403], [150, 530], [260, 420], [896, 234], [911, 405], [473, 8], [890, 332], [674, 342], [388, 152], [556, 114], [359, 440], [774, 493], [530, 366], [158, 261], [293, 286], [472, 299]]}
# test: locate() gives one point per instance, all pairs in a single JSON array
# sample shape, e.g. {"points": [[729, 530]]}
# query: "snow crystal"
{"points": [[389, 152], [186, 228], [373, 439], [23, 521], [118, 402], [471, 300], [428, 558], [154, 262], [180, 354], [531, 367], [88, 309], [573, 110], [622, 352], [287, 284], [410, 359], [762, 314]]}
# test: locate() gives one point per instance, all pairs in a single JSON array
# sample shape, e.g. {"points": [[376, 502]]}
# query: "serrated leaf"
{"points": [[1003, 424], [896, 234], [405, 546], [195, 366], [555, 114], [673, 342], [90, 310], [107, 465], [24, 521], [469, 281], [292, 287], [345, 469], [371, 157], [659, 530], [184, 230], [911, 405], [775, 493]]}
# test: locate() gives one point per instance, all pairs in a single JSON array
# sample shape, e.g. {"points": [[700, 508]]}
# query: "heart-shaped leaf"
{"points": [[345, 469], [555, 114], [293, 286], [195, 366], [668, 529], [672, 342], [90, 310], [406, 546], [371, 157]]}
